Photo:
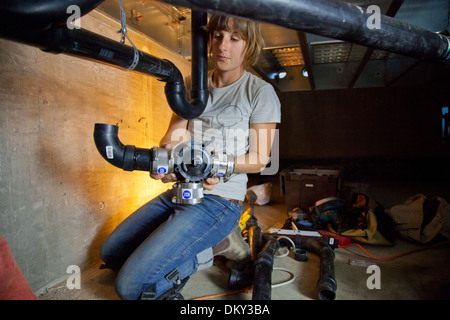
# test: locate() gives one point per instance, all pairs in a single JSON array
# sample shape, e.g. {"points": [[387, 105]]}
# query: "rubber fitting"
{"points": [[301, 255]]}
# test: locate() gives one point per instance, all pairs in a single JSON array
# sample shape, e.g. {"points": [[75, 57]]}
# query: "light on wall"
{"points": [[279, 74], [282, 73], [305, 72]]}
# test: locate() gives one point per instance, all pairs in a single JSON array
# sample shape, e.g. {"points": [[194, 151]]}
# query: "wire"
{"points": [[280, 284], [248, 289], [276, 285], [290, 240], [282, 254], [287, 252], [396, 256]]}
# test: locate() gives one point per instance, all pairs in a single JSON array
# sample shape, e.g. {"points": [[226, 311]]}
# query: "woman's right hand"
{"points": [[164, 177]]}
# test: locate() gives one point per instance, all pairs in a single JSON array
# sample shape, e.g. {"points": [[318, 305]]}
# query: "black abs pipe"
{"points": [[326, 285], [239, 279], [127, 157], [85, 44], [45, 28], [175, 89], [262, 279], [337, 20], [39, 15], [259, 274]]}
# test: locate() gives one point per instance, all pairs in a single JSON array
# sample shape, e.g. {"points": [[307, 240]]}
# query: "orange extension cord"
{"points": [[396, 256], [246, 290]]}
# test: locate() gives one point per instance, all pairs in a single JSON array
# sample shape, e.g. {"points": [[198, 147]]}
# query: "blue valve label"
{"points": [[162, 170], [187, 194]]}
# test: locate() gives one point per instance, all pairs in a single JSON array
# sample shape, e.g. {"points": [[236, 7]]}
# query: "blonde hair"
{"points": [[249, 30]]}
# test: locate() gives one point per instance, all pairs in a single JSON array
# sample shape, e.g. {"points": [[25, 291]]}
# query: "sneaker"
{"points": [[172, 295]]}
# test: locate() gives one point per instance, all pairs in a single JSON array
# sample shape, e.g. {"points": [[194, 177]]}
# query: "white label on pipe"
{"points": [[109, 152]]}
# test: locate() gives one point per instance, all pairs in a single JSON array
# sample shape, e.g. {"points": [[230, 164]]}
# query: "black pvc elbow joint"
{"points": [[177, 97], [126, 157]]}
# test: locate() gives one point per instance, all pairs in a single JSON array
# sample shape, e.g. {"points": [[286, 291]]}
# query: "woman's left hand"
{"points": [[209, 183]]}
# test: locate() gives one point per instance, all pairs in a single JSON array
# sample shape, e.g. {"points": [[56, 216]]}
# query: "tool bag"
{"points": [[362, 219], [419, 218]]}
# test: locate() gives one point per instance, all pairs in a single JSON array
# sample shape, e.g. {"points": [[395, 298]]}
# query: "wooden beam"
{"points": [[304, 47]]}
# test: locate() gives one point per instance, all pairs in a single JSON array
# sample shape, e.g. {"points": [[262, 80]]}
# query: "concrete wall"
{"points": [[58, 198]]}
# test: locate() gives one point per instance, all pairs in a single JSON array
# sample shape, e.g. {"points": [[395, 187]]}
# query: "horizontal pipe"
{"points": [[89, 45], [127, 157], [334, 19], [92, 46], [86, 44], [39, 15], [78, 42]]}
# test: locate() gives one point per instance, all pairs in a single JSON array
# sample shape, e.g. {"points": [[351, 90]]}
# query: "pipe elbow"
{"points": [[177, 100], [108, 144], [126, 157]]}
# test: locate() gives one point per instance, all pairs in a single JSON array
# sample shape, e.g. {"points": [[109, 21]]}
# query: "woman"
{"points": [[163, 243]]}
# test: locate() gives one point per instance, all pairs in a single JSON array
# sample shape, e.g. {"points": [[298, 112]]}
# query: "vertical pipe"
{"points": [[175, 89], [199, 56], [262, 281]]}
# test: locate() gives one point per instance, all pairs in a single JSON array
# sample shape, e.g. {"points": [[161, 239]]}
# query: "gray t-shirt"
{"points": [[224, 125]]}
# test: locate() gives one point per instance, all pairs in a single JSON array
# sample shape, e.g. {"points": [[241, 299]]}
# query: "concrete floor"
{"points": [[422, 275]]}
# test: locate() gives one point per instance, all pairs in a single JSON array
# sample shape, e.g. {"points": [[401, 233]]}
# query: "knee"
{"points": [[105, 255], [125, 289], [111, 260]]}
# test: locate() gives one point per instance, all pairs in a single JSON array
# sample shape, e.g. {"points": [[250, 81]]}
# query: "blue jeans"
{"points": [[162, 236]]}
